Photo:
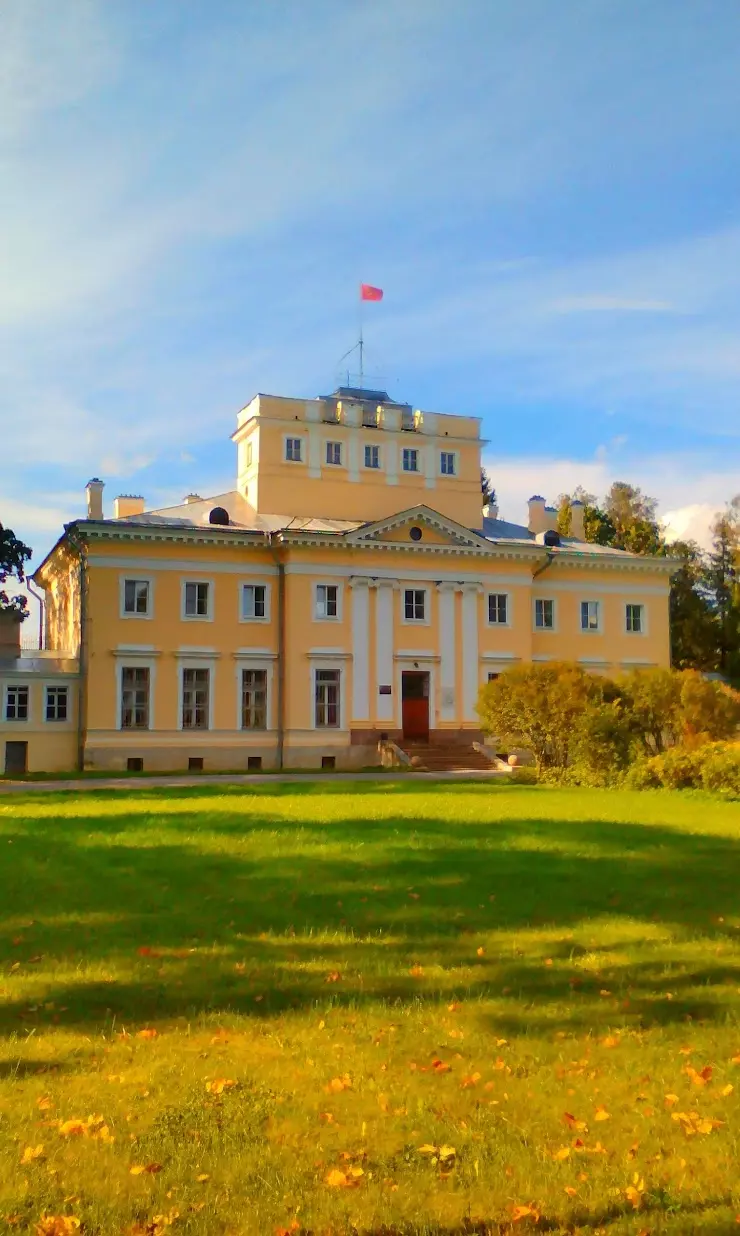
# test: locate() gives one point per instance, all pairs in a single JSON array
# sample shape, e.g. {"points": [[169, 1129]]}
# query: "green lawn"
{"points": [[373, 1008]]}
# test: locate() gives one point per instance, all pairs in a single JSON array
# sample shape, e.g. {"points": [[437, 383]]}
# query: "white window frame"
{"points": [[17, 686], [372, 446], [453, 457], [262, 668], [246, 660], [249, 454], [597, 630], [490, 592], [339, 668], [643, 619], [139, 577], [410, 451], [131, 660], [327, 583], [415, 622], [191, 663], [253, 583], [208, 616], [333, 443], [295, 437], [57, 687], [554, 603]]}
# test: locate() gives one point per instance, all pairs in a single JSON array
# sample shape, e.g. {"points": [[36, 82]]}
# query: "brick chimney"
{"points": [[537, 516], [94, 490], [126, 505]]}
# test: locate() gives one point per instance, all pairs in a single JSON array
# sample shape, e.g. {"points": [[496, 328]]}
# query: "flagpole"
{"points": [[361, 343]]}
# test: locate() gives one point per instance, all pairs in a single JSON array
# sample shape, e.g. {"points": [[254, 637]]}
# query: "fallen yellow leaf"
{"points": [[31, 1153], [57, 1225], [561, 1154], [219, 1084], [728, 1089], [601, 1114]]}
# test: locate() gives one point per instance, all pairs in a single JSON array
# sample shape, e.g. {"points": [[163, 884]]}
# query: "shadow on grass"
{"points": [[208, 914]]}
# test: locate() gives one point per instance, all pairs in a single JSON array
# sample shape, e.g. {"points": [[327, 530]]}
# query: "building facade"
{"points": [[349, 587]]}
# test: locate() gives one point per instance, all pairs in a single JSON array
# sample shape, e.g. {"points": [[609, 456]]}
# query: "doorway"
{"points": [[415, 704], [16, 758]]}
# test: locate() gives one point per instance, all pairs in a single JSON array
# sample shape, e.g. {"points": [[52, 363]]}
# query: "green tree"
{"points": [[710, 711], [694, 624], [13, 557], [723, 578], [537, 707], [598, 527], [632, 514], [653, 698], [488, 493]]}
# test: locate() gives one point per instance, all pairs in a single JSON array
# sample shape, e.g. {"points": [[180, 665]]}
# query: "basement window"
{"points": [[135, 763], [195, 763], [328, 763]]}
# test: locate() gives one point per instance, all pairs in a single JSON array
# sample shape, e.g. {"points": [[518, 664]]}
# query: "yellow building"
{"points": [[349, 587]]}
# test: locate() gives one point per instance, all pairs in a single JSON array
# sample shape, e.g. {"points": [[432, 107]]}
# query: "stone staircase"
{"points": [[446, 759]]}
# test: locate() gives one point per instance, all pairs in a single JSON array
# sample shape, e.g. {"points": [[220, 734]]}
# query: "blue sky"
{"points": [[549, 194]]}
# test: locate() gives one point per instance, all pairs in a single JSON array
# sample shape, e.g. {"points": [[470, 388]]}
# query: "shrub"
{"points": [[537, 707], [642, 774], [653, 697], [679, 768], [601, 744], [720, 771], [709, 710]]}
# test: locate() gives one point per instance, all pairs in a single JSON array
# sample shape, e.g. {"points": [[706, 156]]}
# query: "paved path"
{"points": [[240, 779]]}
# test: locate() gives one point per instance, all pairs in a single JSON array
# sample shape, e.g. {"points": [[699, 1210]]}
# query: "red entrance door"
{"points": [[415, 705]]}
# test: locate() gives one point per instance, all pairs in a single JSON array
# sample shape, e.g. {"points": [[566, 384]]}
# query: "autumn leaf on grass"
{"points": [[439, 1066], [146, 951], [337, 1084], [31, 1153], [611, 1040], [444, 1155], [57, 1225], [699, 1077], [416, 971], [728, 1089], [571, 1191], [693, 1123], [219, 1084], [525, 1212], [333, 977], [147, 1033], [468, 1082], [634, 1192], [578, 1125], [94, 1126], [348, 1179], [145, 1169], [202, 1178], [670, 1099], [480, 952], [601, 1114], [561, 1154], [44, 1103]]}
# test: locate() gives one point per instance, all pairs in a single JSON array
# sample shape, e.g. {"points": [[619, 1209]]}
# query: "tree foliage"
{"points": [[537, 707], [14, 555], [488, 493]]}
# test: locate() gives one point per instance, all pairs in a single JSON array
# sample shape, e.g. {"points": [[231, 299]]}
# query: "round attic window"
{"points": [[219, 516], [416, 533]]}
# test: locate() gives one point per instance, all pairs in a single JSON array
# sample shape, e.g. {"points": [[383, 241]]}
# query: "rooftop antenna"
{"points": [[367, 292]]}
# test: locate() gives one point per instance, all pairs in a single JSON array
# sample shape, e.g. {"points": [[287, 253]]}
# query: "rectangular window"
{"points": [[544, 615], [635, 619], [135, 697], [16, 704], [334, 453], [254, 601], [56, 703], [410, 459], [196, 600], [195, 698], [327, 698], [136, 596], [293, 450], [447, 463], [372, 456], [498, 609], [249, 454], [254, 699], [414, 604], [589, 615], [493, 675], [327, 601]]}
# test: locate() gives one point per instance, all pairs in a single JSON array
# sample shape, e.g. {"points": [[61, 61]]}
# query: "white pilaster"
{"points": [[390, 452], [430, 465], [446, 593], [353, 456], [470, 650], [385, 704], [360, 649], [314, 451]]}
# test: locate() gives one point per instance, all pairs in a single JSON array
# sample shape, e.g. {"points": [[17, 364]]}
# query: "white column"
{"points": [[360, 650], [430, 465], [385, 704], [470, 650], [448, 651], [390, 460]]}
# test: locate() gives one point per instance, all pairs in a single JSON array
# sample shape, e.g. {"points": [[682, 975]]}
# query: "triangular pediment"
{"points": [[436, 530]]}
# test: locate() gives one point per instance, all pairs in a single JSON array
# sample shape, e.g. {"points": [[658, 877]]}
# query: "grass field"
{"points": [[382, 1008]]}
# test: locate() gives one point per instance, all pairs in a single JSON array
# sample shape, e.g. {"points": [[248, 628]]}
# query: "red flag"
{"points": [[367, 292]]}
